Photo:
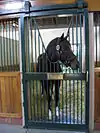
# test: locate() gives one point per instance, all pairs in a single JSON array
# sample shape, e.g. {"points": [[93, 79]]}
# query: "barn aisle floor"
{"points": [[5, 128]]}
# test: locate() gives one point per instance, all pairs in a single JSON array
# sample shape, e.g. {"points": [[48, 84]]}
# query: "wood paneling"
{"points": [[97, 95], [10, 94]]}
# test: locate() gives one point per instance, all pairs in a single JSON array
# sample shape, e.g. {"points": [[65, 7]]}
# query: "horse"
{"points": [[58, 50]]}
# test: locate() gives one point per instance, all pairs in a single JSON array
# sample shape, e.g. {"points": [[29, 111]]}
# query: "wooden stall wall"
{"points": [[97, 98], [10, 97]]}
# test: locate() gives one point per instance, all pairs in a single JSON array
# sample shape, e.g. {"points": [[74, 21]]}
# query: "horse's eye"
{"points": [[60, 52], [68, 57]]}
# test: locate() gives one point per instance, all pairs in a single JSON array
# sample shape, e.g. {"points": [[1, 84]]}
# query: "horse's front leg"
{"points": [[50, 87], [57, 86]]}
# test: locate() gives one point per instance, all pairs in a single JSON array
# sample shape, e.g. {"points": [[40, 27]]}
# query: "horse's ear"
{"points": [[62, 36], [67, 35]]}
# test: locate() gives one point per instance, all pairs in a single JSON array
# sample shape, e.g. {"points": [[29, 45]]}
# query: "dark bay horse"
{"points": [[59, 49]]}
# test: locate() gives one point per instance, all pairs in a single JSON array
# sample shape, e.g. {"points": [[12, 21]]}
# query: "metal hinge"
{"points": [[81, 4], [87, 73]]}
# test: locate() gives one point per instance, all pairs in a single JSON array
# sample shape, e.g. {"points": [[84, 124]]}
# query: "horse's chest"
{"points": [[53, 67]]}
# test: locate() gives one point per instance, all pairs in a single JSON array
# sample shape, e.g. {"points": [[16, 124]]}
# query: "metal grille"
{"points": [[72, 92], [9, 45], [71, 103]]}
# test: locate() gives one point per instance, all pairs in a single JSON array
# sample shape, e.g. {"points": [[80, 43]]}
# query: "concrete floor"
{"points": [[4, 128]]}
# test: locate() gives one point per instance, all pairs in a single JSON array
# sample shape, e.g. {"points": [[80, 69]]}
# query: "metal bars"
{"points": [[9, 46], [97, 39], [70, 87], [72, 92]]}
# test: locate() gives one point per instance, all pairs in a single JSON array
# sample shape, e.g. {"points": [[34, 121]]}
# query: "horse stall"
{"points": [[44, 64], [46, 103], [72, 92], [10, 86], [97, 68]]}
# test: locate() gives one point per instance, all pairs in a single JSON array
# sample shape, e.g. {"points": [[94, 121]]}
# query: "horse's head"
{"points": [[59, 49]]}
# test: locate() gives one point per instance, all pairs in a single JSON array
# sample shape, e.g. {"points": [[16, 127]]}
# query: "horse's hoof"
{"points": [[57, 111], [50, 115], [42, 95], [53, 97]]}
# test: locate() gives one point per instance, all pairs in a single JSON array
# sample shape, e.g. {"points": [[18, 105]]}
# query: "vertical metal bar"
{"points": [[39, 81], [29, 60], [62, 101], [1, 45], [77, 82], [7, 63], [73, 71], [59, 107], [11, 44], [77, 55], [80, 19], [32, 68], [73, 44], [27, 44], [66, 102], [13, 68], [22, 37], [99, 36], [14, 56], [69, 89], [36, 80], [31, 98], [82, 111], [97, 40], [5, 40], [96, 44], [31, 65], [14, 35], [34, 100], [6, 46], [70, 100], [87, 65], [35, 62], [73, 101], [10, 59], [80, 50], [16, 45]]}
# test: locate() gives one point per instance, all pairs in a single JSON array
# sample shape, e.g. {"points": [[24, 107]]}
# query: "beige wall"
{"points": [[93, 5]]}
